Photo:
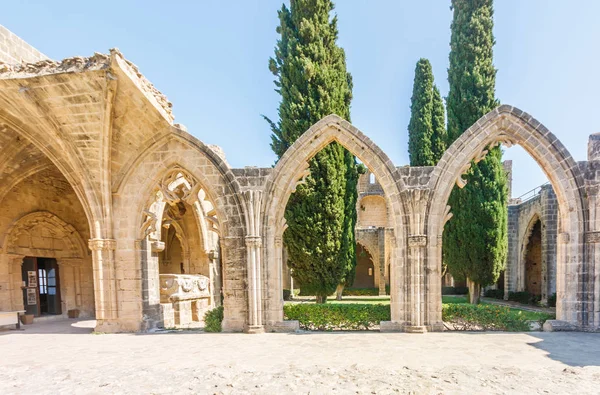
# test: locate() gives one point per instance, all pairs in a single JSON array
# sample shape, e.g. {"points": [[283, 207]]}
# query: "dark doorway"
{"points": [[365, 270], [533, 261], [41, 292]]}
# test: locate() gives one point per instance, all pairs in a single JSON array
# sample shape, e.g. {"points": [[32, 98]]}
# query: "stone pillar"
{"points": [[253, 248], [105, 292], [416, 257], [152, 316], [381, 259], [253, 199]]}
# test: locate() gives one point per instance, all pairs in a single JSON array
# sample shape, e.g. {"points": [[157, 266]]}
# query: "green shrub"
{"points": [[213, 319], [494, 293], [524, 297], [361, 292], [455, 290], [552, 300], [484, 317], [328, 317]]}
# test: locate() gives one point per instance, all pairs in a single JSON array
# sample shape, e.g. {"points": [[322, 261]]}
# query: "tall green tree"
{"points": [[420, 129], [313, 83], [427, 127], [439, 136], [475, 238]]}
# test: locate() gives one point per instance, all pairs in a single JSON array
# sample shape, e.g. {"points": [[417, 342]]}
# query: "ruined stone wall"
{"points": [[521, 218], [14, 49], [372, 212]]}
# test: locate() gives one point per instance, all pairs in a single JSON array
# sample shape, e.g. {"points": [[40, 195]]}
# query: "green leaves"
{"points": [[213, 319], [475, 239], [427, 128], [313, 83]]}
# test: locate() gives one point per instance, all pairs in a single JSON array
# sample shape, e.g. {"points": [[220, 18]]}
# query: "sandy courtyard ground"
{"points": [[64, 357]]}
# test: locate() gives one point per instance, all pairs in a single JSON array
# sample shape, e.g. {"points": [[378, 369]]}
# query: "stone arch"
{"points": [[19, 238], [60, 151], [212, 175], [509, 125], [292, 167]]}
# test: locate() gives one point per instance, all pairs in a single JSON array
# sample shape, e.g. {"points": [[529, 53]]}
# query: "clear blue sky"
{"points": [[210, 59]]}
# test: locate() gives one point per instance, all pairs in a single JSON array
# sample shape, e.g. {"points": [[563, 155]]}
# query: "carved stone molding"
{"points": [[177, 185], [460, 181], [417, 241], [592, 237], [102, 244], [253, 241], [278, 241]]}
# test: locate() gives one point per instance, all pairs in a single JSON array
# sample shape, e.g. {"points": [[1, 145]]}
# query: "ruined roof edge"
{"points": [[98, 61]]}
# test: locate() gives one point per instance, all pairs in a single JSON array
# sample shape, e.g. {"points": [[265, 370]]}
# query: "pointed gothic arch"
{"points": [[509, 125], [282, 182]]}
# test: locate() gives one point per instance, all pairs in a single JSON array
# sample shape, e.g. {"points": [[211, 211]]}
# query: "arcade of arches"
{"points": [[111, 210]]}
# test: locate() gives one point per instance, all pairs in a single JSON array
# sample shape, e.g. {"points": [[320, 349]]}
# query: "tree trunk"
{"points": [[474, 291], [321, 299], [339, 291]]}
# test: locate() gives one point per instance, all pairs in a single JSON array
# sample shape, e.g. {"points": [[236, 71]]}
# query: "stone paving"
{"points": [[65, 357]]}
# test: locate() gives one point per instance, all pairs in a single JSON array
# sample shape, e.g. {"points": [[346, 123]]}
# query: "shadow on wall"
{"points": [[571, 348]]}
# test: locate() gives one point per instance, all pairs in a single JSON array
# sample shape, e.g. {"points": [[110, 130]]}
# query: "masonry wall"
{"points": [[14, 49], [520, 215]]}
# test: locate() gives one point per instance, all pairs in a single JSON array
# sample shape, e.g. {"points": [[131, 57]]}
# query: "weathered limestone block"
{"points": [[183, 312], [558, 326], [168, 314]]}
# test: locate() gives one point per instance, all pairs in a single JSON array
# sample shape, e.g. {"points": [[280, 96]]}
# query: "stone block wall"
{"points": [[14, 49], [521, 218]]}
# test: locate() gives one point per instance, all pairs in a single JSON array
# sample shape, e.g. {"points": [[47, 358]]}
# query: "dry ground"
{"points": [[64, 357]]}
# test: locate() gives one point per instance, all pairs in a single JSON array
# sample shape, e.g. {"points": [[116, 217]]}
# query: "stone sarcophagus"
{"points": [[184, 299]]}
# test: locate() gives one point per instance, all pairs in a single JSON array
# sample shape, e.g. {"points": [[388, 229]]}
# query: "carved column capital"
{"points": [[253, 241], [102, 244], [417, 241]]}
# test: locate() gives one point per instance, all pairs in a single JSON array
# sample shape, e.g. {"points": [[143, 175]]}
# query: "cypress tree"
{"points": [[439, 136], [427, 128], [312, 80], [420, 129], [475, 239]]}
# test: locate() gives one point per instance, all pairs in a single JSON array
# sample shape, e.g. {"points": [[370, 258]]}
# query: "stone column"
{"points": [[253, 199], [253, 248], [416, 257], [381, 259], [151, 310], [105, 292]]}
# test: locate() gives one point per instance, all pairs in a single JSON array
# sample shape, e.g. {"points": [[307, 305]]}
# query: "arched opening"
{"points": [[183, 261], [365, 269], [507, 125], [213, 217], [45, 264], [533, 261], [291, 169]]}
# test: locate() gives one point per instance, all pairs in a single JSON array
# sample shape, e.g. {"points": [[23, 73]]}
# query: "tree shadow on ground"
{"points": [[571, 348]]}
